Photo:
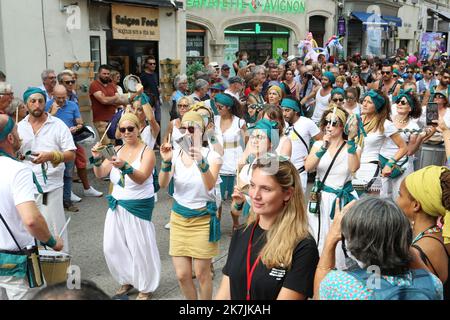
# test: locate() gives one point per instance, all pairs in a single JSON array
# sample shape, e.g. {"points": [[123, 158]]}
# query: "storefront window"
{"points": [[195, 43], [95, 52]]}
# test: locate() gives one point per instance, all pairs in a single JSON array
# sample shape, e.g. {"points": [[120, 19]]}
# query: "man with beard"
{"points": [[104, 100], [387, 84], [19, 211], [442, 87], [322, 96], [48, 143], [301, 130]]}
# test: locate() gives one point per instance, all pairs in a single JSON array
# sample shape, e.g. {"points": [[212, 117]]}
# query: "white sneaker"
{"points": [[91, 192], [74, 197], [167, 226]]}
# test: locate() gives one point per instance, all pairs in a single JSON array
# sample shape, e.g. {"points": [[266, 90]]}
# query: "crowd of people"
{"points": [[372, 136]]}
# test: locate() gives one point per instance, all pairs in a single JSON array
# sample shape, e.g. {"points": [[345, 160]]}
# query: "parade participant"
{"points": [[172, 131], [388, 85], [376, 233], [6, 96], [424, 198], [334, 173], [407, 109], [375, 113], [195, 229], [215, 89], [338, 97], [275, 239], [275, 113], [274, 95], [48, 82], [322, 95], [300, 131], [290, 84], [19, 212], [351, 104], [129, 242], [49, 140], [16, 110], [147, 122]]}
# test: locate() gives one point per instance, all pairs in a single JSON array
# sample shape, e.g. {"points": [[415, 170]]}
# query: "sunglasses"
{"points": [[338, 99], [385, 72], [151, 64], [185, 106], [403, 102], [37, 100], [410, 71], [69, 82], [334, 123], [190, 129], [123, 130]]}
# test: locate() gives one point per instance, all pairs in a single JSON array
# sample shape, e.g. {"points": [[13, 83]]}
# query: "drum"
{"points": [[107, 151], [431, 155], [54, 266], [130, 83]]}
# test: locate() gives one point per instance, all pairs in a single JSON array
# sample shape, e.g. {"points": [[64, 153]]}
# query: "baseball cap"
{"points": [[218, 86], [225, 67], [235, 79], [213, 64]]}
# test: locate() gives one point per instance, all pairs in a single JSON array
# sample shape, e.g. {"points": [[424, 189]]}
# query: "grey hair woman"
{"points": [[377, 236], [16, 110]]}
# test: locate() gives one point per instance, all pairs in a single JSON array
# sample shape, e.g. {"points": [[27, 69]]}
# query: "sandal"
{"points": [[144, 296], [124, 290]]}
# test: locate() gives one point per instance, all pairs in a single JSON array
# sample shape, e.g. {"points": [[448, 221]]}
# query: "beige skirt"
{"points": [[189, 237]]}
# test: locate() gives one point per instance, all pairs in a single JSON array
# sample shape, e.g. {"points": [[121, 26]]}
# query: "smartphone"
{"points": [[432, 113]]}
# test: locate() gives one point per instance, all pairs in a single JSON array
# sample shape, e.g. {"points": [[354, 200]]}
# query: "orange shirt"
{"points": [[102, 112]]}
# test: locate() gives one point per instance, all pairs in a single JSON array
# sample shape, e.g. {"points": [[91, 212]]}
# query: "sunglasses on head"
{"points": [[190, 129], [338, 99], [123, 130]]}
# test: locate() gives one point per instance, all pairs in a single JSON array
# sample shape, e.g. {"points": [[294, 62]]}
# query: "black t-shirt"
{"points": [[150, 83], [267, 283]]}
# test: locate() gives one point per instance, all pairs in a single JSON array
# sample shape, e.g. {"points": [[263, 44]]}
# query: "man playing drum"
{"points": [[19, 211]]}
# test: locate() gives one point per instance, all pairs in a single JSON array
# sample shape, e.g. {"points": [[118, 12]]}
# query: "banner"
{"points": [[431, 42]]}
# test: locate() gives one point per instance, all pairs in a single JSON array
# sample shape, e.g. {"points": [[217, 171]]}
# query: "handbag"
{"points": [[397, 169], [22, 263]]}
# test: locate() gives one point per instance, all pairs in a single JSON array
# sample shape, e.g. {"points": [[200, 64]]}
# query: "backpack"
{"points": [[111, 133], [422, 287]]}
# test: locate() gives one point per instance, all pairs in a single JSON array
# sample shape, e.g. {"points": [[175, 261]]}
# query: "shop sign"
{"points": [[135, 23], [250, 6]]}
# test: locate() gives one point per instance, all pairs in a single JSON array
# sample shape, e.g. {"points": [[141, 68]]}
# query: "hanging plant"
{"points": [[191, 71]]}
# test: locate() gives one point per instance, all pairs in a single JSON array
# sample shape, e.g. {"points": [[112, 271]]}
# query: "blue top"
{"points": [[177, 96], [68, 113]]}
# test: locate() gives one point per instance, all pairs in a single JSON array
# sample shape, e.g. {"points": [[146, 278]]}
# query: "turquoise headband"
{"points": [[407, 95], [7, 129], [32, 90], [271, 130], [330, 76], [338, 91], [224, 99], [377, 99], [291, 104]]}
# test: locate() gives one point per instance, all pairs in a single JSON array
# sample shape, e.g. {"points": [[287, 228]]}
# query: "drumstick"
{"points": [[106, 131], [168, 138], [65, 227], [17, 115]]}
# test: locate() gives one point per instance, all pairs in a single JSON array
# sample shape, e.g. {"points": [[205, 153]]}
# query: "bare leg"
{"points": [[203, 272], [183, 270]]}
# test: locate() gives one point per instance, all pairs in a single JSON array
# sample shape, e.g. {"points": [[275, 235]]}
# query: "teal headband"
{"points": [[7, 129], [143, 98], [407, 95], [32, 90], [330, 76], [271, 130], [224, 99], [377, 99], [291, 104], [338, 91]]}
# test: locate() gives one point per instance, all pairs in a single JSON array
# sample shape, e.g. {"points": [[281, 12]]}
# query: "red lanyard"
{"points": [[253, 267]]}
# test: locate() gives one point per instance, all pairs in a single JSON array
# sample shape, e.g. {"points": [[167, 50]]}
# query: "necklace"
{"points": [[430, 230], [404, 121]]}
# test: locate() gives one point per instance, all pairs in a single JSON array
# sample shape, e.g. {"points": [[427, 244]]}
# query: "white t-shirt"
{"points": [[389, 148], [307, 129], [190, 191], [322, 103], [374, 141], [16, 188], [148, 137], [231, 136], [54, 135]]}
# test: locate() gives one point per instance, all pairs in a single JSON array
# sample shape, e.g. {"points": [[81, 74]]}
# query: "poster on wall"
{"points": [[431, 42], [231, 47]]}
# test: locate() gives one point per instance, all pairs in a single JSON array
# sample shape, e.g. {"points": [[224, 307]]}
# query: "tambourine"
{"points": [[130, 82]]}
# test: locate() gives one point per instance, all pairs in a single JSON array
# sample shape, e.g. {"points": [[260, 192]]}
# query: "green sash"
{"points": [[345, 195], [142, 208], [211, 209]]}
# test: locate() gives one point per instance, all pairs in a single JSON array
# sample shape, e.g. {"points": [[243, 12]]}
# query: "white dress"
{"points": [[339, 175], [129, 243]]}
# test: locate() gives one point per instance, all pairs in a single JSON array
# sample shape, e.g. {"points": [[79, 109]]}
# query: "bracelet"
{"points": [[238, 206], [324, 268], [166, 166], [351, 146], [50, 242], [127, 169], [96, 161], [321, 152], [58, 157], [391, 163], [203, 165]]}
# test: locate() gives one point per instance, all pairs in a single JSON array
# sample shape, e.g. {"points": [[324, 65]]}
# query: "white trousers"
{"points": [[53, 213], [12, 288], [130, 249]]}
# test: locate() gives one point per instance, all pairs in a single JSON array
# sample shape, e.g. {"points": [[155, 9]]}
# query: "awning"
{"points": [[147, 3], [370, 18], [442, 14], [396, 20]]}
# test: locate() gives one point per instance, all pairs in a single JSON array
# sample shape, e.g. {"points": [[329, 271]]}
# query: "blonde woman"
{"points": [[274, 256]]}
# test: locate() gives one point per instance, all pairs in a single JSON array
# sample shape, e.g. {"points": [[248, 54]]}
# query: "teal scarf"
{"points": [[142, 208], [213, 107], [35, 180], [211, 209], [345, 195]]}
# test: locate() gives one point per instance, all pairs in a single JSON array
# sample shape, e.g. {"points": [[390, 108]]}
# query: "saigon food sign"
{"points": [[135, 23], [250, 6]]}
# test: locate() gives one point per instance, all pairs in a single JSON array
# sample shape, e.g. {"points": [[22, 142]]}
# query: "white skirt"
{"points": [[131, 251], [320, 232], [390, 188], [365, 174]]}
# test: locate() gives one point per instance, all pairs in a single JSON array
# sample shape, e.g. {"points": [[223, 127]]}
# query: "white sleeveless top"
{"points": [[147, 137], [231, 136], [190, 191], [132, 190], [176, 134], [321, 106]]}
